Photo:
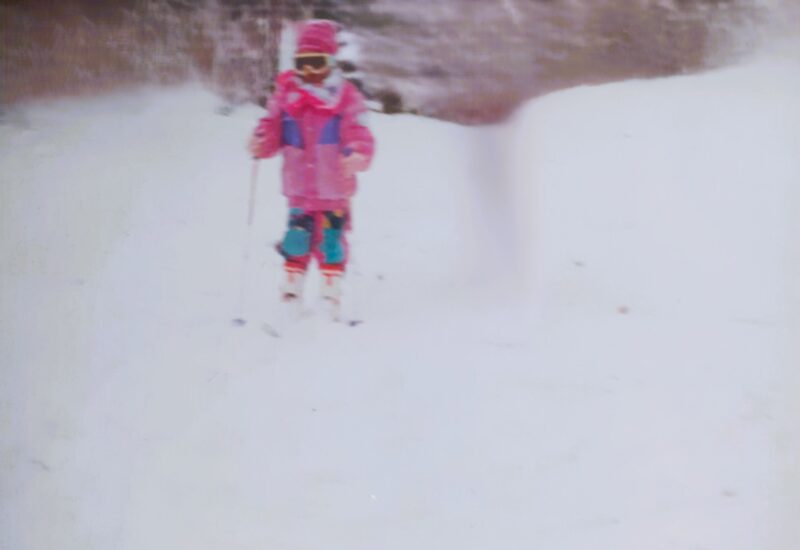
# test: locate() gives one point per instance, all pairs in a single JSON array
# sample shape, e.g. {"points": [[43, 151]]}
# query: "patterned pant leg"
{"points": [[296, 244], [331, 252]]}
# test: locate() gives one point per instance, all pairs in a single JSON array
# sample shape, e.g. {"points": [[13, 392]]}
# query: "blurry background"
{"points": [[581, 327], [470, 61]]}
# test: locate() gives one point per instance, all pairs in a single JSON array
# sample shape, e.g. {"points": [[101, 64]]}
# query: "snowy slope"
{"points": [[620, 375]]}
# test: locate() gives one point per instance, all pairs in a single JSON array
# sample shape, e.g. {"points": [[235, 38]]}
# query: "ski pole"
{"points": [[251, 209]]}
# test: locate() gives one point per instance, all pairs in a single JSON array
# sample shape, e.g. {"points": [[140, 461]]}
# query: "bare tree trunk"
{"points": [[276, 15]]}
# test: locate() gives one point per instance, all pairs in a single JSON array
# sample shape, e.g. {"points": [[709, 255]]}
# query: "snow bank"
{"points": [[668, 196]]}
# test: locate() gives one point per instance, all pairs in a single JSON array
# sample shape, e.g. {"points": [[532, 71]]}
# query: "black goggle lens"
{"points": [[313, 61]]}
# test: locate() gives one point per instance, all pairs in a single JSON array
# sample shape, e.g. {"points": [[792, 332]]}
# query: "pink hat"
{"points": [[317, 35]]}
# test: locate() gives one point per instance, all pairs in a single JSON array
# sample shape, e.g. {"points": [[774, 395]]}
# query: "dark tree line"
{"points": [[466, 60]]}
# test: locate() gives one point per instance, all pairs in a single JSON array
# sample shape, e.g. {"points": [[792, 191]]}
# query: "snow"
{"points": [[350, 47], [580, 330], [287, 46]]}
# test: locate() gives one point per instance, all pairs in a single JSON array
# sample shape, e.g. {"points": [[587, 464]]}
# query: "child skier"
{"points": [[317, 119]]}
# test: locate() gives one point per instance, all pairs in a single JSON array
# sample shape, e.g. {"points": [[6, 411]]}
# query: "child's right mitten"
{"points": [[266, 141]]}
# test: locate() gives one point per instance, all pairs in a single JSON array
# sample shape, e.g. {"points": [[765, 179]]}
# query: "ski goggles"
{"points": [[311, 62]]}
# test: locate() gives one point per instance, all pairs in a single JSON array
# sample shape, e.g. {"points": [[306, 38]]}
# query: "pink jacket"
{"points": [[315, 127]]}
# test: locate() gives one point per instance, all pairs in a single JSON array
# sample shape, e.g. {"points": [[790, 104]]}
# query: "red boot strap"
{"points": [[331, 269], [291, 267]]}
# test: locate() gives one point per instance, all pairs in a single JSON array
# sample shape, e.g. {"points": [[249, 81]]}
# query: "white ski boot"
{"points": [[290, 308], [292, 286], [331, 291]]}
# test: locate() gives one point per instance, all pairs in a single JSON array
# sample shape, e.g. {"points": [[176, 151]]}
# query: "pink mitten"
{"points": [[355, 162], [265, 142]]}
